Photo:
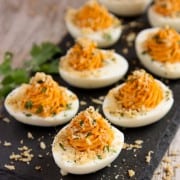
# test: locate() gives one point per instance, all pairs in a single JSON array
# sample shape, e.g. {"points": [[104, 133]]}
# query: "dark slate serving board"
{"points": [[156, 137]]}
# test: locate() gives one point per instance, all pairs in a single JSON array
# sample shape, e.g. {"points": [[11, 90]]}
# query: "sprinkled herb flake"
{"points": [[28, 104], [28, 115], [68, 106], [88, 134], [106, 148], [43, 90], [81, 122], [39, 109], [107, 36], [99, 156], [144, 52], [62, 146]]}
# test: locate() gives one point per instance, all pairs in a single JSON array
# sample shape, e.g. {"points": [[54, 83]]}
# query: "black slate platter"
{"points": [[156, 137]]}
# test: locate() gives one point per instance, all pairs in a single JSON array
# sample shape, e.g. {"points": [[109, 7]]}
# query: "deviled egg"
{"points": [[42, 102], [95, 22], [125, 7], [86, 66], [140, 101], [87, 144], [165, 12], [159, 51]]}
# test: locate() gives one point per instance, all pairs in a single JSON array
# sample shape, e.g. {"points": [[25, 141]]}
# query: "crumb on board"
{"points": [[131, 173], [131, 37], [21, 141], [137, 145], [149, 157], [96, 101], [116, 177], [30, 136], [125, 50], [168, 169], [42, 145], [40, 156], [9, 167], [7, 144], [25, 155], [83, 103], [6, 120], [38, 168]]}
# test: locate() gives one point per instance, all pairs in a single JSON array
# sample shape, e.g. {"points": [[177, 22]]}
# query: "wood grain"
{"points": [[24, 22]]}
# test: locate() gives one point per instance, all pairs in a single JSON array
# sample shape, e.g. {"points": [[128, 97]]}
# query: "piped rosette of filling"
{"points": [[87, 144], [86, 66], [159, 51], [93, 20], [42, 102], [140, 101], [165, 12]]}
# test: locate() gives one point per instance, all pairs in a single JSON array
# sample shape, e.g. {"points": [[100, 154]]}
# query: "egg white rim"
{"points": [[139, 120], [158, 20], [90, 166], [96, 78], [132, 8], [58, 119], [166, 70], [103, 38]]}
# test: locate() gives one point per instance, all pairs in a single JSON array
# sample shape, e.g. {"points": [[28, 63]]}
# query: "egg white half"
{"points": [[158, 20], [125, 7], [140, 119], [68, 165], [111, 72], [103, 38], [166, 70], [34, 119]]}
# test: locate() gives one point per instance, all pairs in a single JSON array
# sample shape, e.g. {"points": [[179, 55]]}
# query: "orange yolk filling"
{"points": [[94, 16], [167, 7], [164, 46], [140, 91], [89, 131], [43, 96], [85, 56]]}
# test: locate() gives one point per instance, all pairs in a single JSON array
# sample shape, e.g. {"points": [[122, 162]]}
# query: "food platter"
{"points": [[155, 137]]}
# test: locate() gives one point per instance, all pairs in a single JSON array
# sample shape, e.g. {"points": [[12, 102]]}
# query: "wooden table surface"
{"points": [[24, 22]]}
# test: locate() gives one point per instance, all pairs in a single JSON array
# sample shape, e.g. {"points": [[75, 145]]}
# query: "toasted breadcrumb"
{"points": [[42, 145], [148, 157], [7, 143], [131, 173], [29, 135], [9, 167]]}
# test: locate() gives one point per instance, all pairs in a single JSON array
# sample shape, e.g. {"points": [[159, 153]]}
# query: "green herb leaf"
{"points": [[62, 146], [40, 109], [28, 104], [99, 156]]}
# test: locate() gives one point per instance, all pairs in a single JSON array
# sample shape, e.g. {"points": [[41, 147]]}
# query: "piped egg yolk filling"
{"points": [[164, 46], [94, 16], [89, 131], [140, 92], [43, 96], [168, 7], [85, 56]]}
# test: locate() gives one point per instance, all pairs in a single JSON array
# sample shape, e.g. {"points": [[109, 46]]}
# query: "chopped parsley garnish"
{"points": [[28, 115], [81, 122], [28, 104], [39, 109], [88, 134], [62, 146], [107, 36], [68, 106], [43, 90], [99, 156]]}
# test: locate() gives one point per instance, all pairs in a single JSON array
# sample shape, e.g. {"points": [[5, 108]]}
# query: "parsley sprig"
{"points": [[43, 59]]}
